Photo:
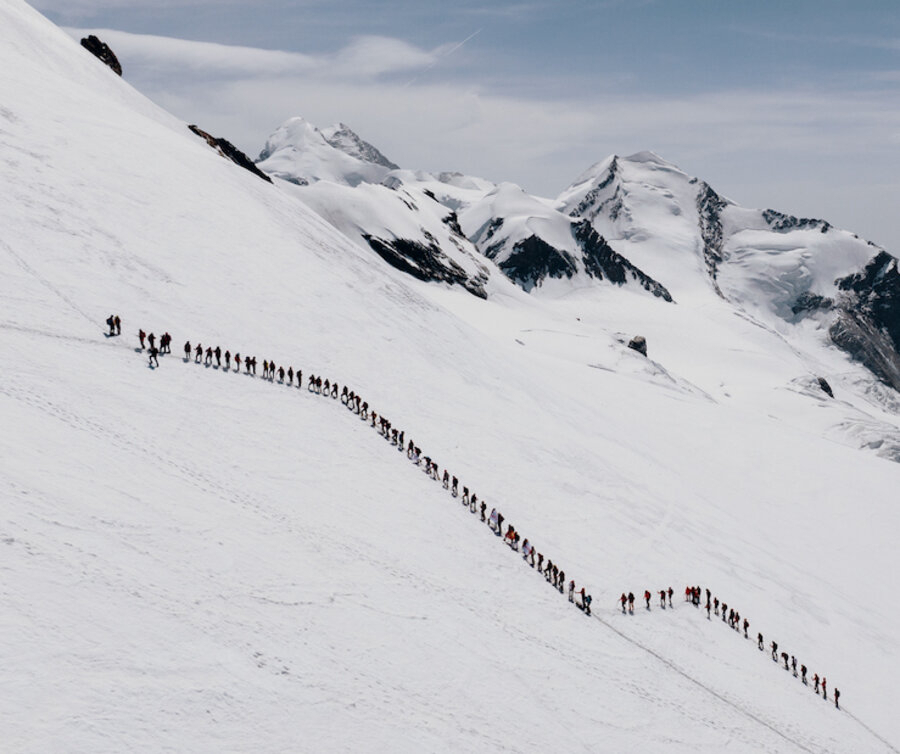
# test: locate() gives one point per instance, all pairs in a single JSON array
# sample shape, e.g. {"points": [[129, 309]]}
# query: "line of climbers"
{"points": [[114, 324], [732, 617], [354, 402], [550, 571]]}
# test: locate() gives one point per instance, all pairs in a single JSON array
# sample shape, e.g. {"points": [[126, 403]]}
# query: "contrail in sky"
{"points": [[445, 55]]}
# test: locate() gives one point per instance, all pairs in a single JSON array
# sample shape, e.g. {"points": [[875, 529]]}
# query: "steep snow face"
{"points": [[299, 152], [341, 137]]}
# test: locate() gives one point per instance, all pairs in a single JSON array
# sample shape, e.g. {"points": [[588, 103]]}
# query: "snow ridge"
{"points": [[341, 137]]}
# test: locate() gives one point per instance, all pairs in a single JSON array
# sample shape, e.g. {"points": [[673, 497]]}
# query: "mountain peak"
{"points": [[301, 153], [295, 133], [646, 156], [342, 137]]}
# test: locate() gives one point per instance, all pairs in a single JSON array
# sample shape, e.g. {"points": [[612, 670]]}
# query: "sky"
{"points": [[791, 104]]}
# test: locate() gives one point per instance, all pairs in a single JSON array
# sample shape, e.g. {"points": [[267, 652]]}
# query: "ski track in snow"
{"points": [[45, 282]]}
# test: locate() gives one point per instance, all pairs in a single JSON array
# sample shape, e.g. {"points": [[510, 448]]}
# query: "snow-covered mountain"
{"points": [[343, 138], [638, 221], [360, 192], [299, 152], [779, 268], [530, 241], [198, 560], [412, 218]]}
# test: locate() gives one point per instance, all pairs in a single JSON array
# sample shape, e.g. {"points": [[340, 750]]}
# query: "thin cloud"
{"points": [[166, 55], [830, 40], [443, 53], [364, 58], [372, 56]]}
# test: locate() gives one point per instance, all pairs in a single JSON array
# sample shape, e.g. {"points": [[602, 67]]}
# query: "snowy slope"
{"points": [[362, 194], [200, 561], [793, 275], [406, 227]]}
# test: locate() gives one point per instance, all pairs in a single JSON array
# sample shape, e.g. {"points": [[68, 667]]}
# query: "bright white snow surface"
{"points": [[195, 560]]}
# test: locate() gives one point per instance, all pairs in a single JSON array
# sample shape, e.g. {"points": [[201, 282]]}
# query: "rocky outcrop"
{"points": [[426, 261], [868, 322], [593, 202], [810, 302], [102, 52], [601, 262], [230, 152], [782, 223], [342, 137], [825, 387], [709, 209], [638, 343], [532, 260]]}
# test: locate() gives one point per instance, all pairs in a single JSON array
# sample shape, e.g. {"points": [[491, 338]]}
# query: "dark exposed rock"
{"points": [[868, 325], [230, 152], [709, 207], [101, 51], [808, 302], [342, 137], [533, 259], [601, 261], [826, 388], [857, 335], [638, 343], [782, 223], [452, 221], [425, 262], [492, 227], [586, 207]]}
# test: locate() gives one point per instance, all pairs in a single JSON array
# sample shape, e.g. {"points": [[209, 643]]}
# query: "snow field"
{"points": [[196, 560], [221, 572]]}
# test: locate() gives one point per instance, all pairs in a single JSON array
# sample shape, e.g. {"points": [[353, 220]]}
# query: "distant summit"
{"points": [[300, 153], [636, 221], [341, 137]]}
